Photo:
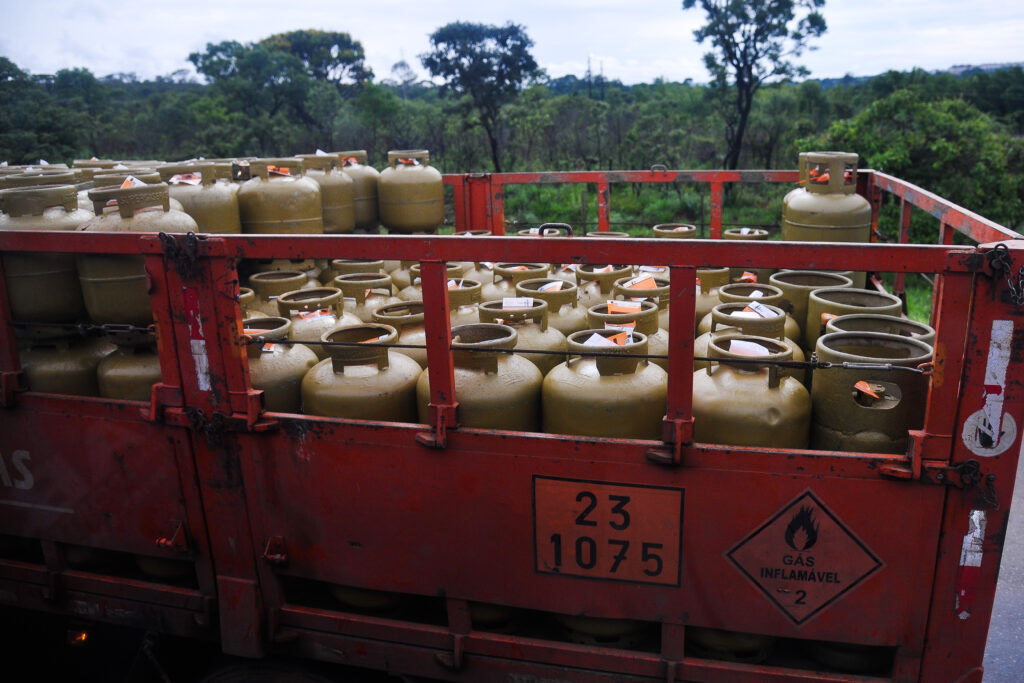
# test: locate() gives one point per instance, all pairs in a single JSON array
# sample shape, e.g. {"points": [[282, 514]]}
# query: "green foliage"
{"points": [[946, 146]]}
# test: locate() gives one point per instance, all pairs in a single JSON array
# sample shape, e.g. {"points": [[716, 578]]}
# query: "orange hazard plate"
{"points": [[608, 531]]}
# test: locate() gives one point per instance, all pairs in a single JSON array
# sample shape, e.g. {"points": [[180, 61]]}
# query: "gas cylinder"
{"points": [[752, 234], [246, 298], [565, 272], [336, 192], [595, 282], [347, 266], [400, 276], [364, 189], [828, 302], [277, 369], [851, 657], [307, 266], [645, 286], [636, 316], [564, 312], [751, 318], [362, 382], [612, 394], [63, 365], [889, 324], [414, 291], [364, 293], [866, 410], [796, 286], [482, 272], [271, 284], [547, 230], [743, 292], [730, 646], [619, 633], [493, 390], [48, 178], [682, 231], [42, 287], [606, 233], [277, 199], [506, 275], [312, 313], [749, 404], [406, 317], [529, 318], [130, 372], [410, 193], [94, 163], [212, 203], [115, 287], [708, 282], [828, 208], [464, 301], [116, 178]]}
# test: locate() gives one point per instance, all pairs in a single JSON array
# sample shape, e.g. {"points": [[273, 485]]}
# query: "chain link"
{"points": [[1001, 261]]}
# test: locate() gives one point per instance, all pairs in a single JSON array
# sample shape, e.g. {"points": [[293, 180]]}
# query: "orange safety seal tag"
{"points": [[865, 388], [319, 313], [622, 338], [825, 317], [624, 306], [748, 276]]}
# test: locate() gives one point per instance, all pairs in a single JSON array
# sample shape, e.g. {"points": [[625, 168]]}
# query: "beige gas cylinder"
{"points": [[364, 189], [410, 193], [211, 202], [246, 298], [93, 163], [116, 178], [633, 316], [747, 234], [730, 646], [708, 282], [744, 403], [271, 284], [888, 324], [828, 302], [42, 287], [743, 292], [565, 272], [482, 272], [797, 285], [464, 301], [130, 372], [277, 369], [528, 316], [606, 233], [494, 390], [596, 282], [115, 287], [347, 266], [278, 200], [564, 312], [828, 208], [645, 286], [362, 382], [547, 230], [679, 231], [506, 275], [407, 317], [751, 318], [364, 293], [336, 192], [414, 291], [63, 365], [38, 178], [308, 266], [401, 276], [611, 394], [868, 410], [312, 313]]}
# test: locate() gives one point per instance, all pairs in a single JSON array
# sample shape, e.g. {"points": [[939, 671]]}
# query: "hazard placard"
{"points": [[803, 558], [608, 531]]}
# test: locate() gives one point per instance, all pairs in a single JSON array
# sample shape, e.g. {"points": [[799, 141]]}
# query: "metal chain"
{"points": [[1001, 261]]}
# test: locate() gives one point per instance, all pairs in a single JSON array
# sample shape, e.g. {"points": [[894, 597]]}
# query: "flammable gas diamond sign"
{"points": [[803, 558]]}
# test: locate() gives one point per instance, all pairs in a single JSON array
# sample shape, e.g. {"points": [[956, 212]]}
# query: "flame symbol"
{"points": [[802, 532]]}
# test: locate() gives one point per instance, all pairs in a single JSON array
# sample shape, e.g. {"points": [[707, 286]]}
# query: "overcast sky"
{"points": [[631, 40]]}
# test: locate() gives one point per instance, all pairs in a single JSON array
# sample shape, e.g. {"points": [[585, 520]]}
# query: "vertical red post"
{"points": [[678, 427], [717, 195], [434, 279], [905, 211], [10, 365], [603, 207], [497, 205]]}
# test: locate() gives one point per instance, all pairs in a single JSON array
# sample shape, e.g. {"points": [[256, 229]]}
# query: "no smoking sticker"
{"points": [[803, 558]]}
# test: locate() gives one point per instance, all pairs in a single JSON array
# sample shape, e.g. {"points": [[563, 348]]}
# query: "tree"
{"points": [[753, 43], [487, 64], [327, 55]]}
